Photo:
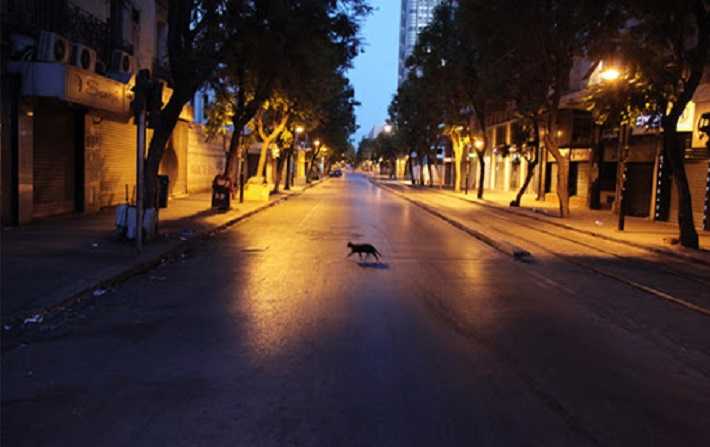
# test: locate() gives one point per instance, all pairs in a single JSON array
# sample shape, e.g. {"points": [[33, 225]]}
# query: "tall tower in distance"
{"points": [[415, 15]]}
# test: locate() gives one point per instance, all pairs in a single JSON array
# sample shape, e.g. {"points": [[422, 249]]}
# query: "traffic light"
{"points": [[140, 91], [148, 97]]}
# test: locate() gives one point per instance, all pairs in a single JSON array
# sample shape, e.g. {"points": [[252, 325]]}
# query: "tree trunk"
{"points": [[261, 166], [278, 172], [563, 185], [532, 164], [289, 164], [675, 152], [481, 175], [309, 168], [528, 178], [431, 177], [168, 120], [411, 171], [458, 158]]}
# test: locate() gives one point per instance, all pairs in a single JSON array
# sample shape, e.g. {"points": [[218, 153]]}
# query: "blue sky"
{"points": [[374, 74]]}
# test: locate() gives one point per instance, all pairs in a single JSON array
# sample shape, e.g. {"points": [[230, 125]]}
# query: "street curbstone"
{"points": [[505, 247], [526, 214], [116, 278]]}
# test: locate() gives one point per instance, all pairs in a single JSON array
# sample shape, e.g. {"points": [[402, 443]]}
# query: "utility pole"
{"points": [[146, 105], [623, 172], [140, 91]]}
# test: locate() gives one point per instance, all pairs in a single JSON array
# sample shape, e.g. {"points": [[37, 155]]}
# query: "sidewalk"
{"points": [[48, 262], [639, 232]]}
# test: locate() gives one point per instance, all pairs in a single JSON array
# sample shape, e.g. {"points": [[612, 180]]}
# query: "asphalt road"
{"points": [[268, 335]]}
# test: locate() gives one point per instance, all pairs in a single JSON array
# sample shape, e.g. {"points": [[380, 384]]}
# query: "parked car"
{"points": [[336, 173]]}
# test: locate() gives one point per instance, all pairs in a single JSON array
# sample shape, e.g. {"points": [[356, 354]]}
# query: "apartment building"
{"points": [[68, 137]]}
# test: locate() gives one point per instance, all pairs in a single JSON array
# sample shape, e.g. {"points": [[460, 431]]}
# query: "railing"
{"points": [[82, 27], [61, 17]]}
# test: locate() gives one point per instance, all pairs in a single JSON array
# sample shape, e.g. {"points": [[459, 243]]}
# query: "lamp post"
{"points": [[289, 161], [309, 168], [613, 74]]}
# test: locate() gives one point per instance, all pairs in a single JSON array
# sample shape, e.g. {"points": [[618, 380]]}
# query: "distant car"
{"points": [[336, 173]]}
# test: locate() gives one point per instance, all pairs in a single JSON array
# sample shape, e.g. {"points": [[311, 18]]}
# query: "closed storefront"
{"points": [[697, 177], [116, 160], [500, 173], [582, 186], [57, 159], [639, 189], [205, 158]]}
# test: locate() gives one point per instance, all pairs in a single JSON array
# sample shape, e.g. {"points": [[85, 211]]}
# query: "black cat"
{"points": [[367, 249]]}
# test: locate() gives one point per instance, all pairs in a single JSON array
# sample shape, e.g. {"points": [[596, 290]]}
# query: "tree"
{"points": [[413, 111], [195, 40], [280, 52], [664, 49], [387, 147], [434, 61], [462, 54], [527, 140], [548, 37]]}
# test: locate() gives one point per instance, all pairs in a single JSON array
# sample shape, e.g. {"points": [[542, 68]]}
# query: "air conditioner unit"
{"points": [[83, 57], [122, 62], [53, 48]]}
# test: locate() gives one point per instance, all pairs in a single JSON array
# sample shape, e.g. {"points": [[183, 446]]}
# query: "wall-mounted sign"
{"points": [[92, 90], [581, 155], [699, 139], [686, 123]]}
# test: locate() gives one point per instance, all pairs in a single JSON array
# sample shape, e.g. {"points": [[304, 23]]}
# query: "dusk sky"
{"points": [[374, 75]]}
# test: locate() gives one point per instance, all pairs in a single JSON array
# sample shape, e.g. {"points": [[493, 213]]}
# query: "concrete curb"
{"points": [[170, 253], [522, 213], [504, 247], [497, 245]]}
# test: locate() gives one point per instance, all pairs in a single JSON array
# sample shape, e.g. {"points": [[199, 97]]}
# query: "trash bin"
{"points": [[163, 185], [221, 193]]}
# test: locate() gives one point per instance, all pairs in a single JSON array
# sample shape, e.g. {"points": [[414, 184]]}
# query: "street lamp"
{"points": [[610, 74], [613, 74], [388, 128]]}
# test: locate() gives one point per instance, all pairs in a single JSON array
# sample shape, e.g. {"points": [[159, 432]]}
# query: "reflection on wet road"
{"points": [[269, 335]]}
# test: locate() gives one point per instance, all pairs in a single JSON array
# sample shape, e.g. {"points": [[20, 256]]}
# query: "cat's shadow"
{"points": [[374, 265]]}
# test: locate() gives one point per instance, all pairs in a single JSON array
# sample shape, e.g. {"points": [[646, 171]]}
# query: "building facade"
{"points": [[68, 137], [594, 161], [415, 16]]}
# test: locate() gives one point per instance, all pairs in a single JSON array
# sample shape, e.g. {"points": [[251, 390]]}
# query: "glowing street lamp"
{"points": [[299, 130], [478, 143], [388, 128], [610, 74]]}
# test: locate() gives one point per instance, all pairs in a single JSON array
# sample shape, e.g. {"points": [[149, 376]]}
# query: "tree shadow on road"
{"points": [[374, 265]]}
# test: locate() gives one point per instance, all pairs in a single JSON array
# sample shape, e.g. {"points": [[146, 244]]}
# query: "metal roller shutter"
{"points": [[696, 172], [118, 161], [54, 160]]}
